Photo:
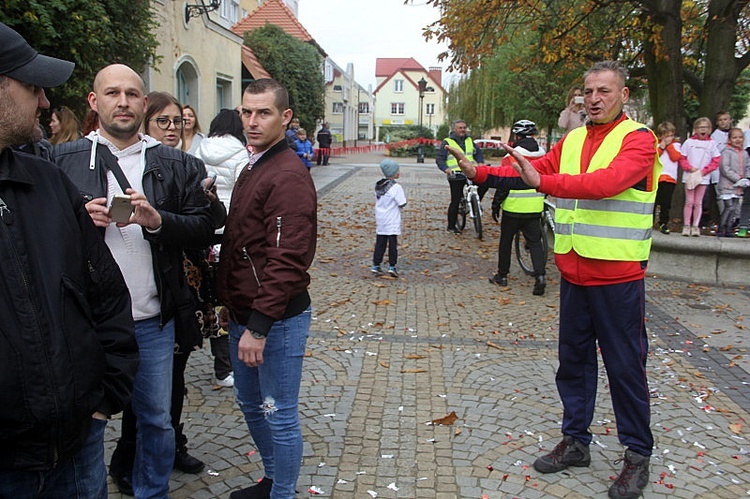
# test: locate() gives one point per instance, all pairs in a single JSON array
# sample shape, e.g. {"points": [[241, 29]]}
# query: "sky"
{"points": [[360, 31]]}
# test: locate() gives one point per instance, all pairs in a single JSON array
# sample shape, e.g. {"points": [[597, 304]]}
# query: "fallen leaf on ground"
{"points": [[383, 302], [447, 420], [413, 371]]}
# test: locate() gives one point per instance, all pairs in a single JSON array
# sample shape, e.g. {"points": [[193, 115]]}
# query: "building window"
{"points": [[338, 108], [429, 109], [337, 88], [187, 85], [230, 10], [223, 94], [397, 108], [398, 85], [364, 107]]}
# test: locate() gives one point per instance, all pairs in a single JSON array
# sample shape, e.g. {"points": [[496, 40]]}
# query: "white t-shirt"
{"points": [[388, 211]]}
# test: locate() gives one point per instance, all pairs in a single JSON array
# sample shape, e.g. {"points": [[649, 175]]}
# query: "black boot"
{"points": [[182, 460], [539, 285], [121, 466], [260, 490]]}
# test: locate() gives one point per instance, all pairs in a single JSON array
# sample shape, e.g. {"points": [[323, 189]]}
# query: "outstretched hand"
{"points": [[467, 167], [529, 175]]}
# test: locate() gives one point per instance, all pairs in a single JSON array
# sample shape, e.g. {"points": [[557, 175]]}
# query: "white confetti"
{"points": [[213, 473], [392, 486], [372, 493], [315, 490], [387, 456], [699, 445], [361, 473], [331, 415], [341, 481], [320, 465]]}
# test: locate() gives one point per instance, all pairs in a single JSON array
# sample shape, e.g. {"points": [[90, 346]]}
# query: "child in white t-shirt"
{"points": [[389, 200]]}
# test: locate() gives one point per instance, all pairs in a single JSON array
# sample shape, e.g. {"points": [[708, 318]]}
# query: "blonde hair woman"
{"points": [[191, 130], [64, 126]]}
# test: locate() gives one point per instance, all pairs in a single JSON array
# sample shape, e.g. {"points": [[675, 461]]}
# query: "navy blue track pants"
{"points": [[613, 316]]}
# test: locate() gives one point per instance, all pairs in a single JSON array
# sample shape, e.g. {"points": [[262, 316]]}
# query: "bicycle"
{"points": [[470, 205], [523, 250]]}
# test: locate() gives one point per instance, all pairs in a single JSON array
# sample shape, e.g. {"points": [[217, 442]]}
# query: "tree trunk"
{"points": [[663, 64], [722, 68]]}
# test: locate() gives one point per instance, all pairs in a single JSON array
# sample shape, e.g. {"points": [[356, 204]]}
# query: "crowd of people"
{"points": [[222, 230], [105, 319]]}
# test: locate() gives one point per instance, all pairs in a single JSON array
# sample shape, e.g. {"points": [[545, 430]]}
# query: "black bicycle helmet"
{"points": [[524, 127]]}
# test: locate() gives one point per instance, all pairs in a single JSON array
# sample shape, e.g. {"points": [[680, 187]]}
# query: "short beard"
{"points": [[120, 133]]}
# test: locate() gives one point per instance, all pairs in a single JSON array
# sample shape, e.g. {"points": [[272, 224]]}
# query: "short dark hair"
{"points": [[156, 102], [264, 85], [227, 122]]}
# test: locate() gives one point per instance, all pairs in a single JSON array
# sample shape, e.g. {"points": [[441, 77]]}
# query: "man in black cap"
{"points": [[68, 354]]}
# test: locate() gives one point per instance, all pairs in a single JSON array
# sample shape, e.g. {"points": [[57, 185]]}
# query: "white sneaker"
{"points": [[227, 382]]}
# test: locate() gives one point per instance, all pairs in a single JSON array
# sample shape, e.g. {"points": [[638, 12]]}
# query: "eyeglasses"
{"points": [[164, 123]]}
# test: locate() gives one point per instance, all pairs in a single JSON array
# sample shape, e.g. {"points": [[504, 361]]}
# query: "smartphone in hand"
{"points": [[208, 182], [121, 209]]}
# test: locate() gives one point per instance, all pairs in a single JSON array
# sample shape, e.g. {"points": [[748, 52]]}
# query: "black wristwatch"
{"points": [[257, 335]]}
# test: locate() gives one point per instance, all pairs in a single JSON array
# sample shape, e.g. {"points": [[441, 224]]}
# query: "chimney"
{"points": [[436, 73]]}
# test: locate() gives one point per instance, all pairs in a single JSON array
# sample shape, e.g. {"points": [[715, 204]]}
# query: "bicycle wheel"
{"points": [[461, 220], [477, 216], [523, 250]]}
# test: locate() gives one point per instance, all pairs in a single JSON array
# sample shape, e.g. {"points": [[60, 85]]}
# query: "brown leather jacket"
{"points": [[269, 241]]}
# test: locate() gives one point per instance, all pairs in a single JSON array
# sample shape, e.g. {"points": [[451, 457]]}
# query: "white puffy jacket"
{"points": [[225, 156]]}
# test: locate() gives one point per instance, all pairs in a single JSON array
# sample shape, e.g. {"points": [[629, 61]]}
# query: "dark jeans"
{"points": [[532, 231], [710, 214], [745, 209], [664, 201], [381, 242], [82, 477], [323, 154], [456, 184], [220, 351]]}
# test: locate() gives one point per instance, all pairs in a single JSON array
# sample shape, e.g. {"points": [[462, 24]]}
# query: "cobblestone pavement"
{"points": [[388, 356]]}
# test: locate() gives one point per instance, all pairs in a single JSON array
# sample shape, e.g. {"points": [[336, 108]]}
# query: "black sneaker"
{"points": [[569, 452], [633, 477], [261, 490], [664, 229], [453, 230], [500, 281], [123, 479], [539, 285]]}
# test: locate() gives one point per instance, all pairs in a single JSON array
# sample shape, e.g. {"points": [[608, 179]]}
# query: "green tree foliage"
{"points": [[91, 33], [296, 65], [672, 44]]}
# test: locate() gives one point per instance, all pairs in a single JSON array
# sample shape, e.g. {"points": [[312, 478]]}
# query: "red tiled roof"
{"points": [[428, 75], [253, 65], [387, 66], [275, 12]]}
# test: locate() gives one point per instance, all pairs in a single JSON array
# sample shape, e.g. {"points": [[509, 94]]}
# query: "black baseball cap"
{"points": [[21, 62]]}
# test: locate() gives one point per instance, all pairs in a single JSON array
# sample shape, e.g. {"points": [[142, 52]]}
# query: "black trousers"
{"points": [[532, 231], [457, 192], [381, 241], [664, 201]]}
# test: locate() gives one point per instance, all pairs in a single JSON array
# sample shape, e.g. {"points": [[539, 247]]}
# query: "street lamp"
{"points": [[420, 146]]}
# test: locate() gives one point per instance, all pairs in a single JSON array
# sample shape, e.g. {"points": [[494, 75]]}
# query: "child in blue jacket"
{"points": [[304, 148]]}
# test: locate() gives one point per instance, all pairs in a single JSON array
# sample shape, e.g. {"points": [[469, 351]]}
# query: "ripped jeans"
{"points": [[268, 396]]}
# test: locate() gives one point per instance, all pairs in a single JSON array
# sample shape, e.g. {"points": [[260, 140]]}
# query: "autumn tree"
{"points": [[649, 36], [92, 34], [295, 64]]}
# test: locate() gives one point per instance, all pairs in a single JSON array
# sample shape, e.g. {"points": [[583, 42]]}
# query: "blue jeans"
{"points": [[83, 477], [268, 395], [152, 398]]}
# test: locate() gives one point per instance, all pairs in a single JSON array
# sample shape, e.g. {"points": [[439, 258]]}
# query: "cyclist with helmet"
{"points": [[448, 165], [522, 210]]}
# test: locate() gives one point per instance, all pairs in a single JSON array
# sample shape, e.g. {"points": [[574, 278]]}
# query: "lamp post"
{"points": [[420, 146]]}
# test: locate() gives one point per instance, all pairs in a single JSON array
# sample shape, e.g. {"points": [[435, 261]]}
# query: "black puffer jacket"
{"points": [[67, 344], [171, 183]]}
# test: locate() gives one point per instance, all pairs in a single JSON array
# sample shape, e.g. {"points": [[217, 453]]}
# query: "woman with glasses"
{"points": [[163, 122]]}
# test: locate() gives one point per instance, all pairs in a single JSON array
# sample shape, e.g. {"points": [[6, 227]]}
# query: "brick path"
{"points": [[387, 356]]}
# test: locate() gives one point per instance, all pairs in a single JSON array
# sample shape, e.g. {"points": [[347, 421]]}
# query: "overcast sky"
{"points": [[359, 31]]}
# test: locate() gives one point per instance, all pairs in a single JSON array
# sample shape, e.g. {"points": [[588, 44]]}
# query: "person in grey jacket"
{"points": [[68, 353], [735, 169]]}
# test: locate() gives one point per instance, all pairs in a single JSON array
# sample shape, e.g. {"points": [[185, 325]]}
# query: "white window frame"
{"points": [[429, 109], [397, 108], [338, 108], [398, 86]]}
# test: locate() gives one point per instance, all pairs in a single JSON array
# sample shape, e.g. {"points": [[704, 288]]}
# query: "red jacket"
{"points": [[631, 168], [269, 241]]}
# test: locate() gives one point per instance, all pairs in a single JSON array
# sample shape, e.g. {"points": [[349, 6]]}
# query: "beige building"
{"points": [[397, 96], [200, 58], [348, 106]]}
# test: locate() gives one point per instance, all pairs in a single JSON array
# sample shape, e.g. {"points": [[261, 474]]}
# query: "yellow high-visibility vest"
{"points": [[451, 161], [615, 228], [524, 201]]}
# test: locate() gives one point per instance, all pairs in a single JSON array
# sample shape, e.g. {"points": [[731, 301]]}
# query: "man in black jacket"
{"points": [[324, 144], [68, 354], [170, 212]]}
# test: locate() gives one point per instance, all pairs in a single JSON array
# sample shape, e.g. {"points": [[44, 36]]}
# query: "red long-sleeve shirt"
{"points": [[633, 167]]}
